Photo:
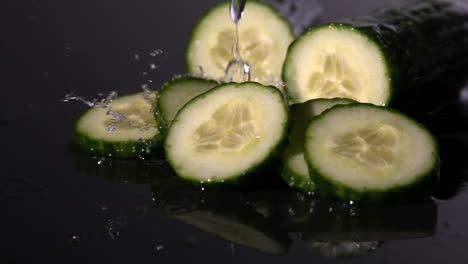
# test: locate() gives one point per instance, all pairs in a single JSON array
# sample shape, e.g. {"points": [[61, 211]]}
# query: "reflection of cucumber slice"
{"points": [[101, 134], [175, 94], [367, 152], [223, 135], [295, 171], [243, 230], [263, 41], [224, 214]]}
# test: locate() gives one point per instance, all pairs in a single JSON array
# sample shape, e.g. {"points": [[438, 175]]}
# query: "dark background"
{"points": [[53, 212]]}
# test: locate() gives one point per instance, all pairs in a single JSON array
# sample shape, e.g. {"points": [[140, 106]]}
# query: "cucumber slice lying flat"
{"points": [[134, 135], [383, 58], [370, 153], [295, 172], [264, 37], [225, 134], [336, 61], [175, 94]]}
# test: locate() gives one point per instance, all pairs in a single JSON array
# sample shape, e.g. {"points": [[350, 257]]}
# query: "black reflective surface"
{"points": [[59, 205]]}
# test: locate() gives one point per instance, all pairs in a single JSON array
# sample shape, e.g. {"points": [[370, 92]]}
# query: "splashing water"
{"points": [[95, 102]]}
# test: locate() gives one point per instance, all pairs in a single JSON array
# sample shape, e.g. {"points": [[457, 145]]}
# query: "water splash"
{"points": [[114, 225], [102, 102]]}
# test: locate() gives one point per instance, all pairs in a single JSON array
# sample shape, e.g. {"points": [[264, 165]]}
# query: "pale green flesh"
{"points": [[294, 154], [372, 149], [333, 62], [226, 132], [263, 41], [178, 93], [139, 122]]}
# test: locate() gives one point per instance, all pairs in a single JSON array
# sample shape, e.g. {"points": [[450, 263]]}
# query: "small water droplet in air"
{"points": [[68, 48], [153, 66], [136, 57], [209, 180], [104, 208], [159, 247], [351, 202], [330, 209], [291, 212], [202, 188], [75, 239]]}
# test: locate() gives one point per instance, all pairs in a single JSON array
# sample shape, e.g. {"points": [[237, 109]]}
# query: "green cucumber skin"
{"points": [[223, 5], [300, 117], [261, 175], [118, 149], [159, 114], [330, 188], [413, 42]]}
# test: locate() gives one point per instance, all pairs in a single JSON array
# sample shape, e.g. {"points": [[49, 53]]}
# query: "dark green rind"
{"points": [[330, 188], [261, 175], [160, 114], [117, 149], [183, 203], [421, 43], [301, 114], [224, 7]]}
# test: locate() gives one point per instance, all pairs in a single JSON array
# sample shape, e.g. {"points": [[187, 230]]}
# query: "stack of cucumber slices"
{"points": [[331, 129]]}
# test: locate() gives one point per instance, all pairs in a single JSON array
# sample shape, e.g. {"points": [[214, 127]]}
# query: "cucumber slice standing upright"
{"points": [[227, 134], [388, 58], [126, 129], [263, 39], [369, 153], [175, 94], [295, 172]]}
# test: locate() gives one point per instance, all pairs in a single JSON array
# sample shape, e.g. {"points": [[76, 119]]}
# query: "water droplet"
{"points": [[159, 247], [202, 188], [153, 66], [351, 202], [330, 209], [291, 211], [104, 208], [136, 57], [233, 249], [68, 48], [75, 239]]}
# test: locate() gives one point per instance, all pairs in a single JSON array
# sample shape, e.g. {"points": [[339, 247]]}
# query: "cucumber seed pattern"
{"points": [[252, 48], [336, 80], [374, 146], [134, 115], [230, 128]]}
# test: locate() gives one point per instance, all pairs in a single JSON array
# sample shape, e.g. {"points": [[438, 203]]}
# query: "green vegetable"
{"points": [[370, 153], [227, 134], [388, 58], [264, 37], [131, 131], [295, 172], [175, 94]]}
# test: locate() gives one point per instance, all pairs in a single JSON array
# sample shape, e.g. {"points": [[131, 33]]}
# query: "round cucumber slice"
{"points": [[336, 60], [264, 37], [370, 153], [295, 171], [223, 135], [134, 135], [175, 94]]}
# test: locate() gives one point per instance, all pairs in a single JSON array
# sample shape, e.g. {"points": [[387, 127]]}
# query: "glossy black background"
{"points": [[50, 48]]}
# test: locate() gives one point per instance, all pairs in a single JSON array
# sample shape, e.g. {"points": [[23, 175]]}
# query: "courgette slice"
{"points": [[388, 58], [295, 172], [175, 94], [369, 153], [134, 133], [227, 134], [264, 37]]}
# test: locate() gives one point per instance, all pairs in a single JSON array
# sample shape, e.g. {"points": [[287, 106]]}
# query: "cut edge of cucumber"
{"points": [[368, 38], [419, 184]]}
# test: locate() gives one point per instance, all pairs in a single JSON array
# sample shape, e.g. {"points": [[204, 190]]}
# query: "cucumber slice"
{"points": [[175, 94], [295, 172], [387, 58], [264, 37], [137, 134], [370, 153], [227, 133]]}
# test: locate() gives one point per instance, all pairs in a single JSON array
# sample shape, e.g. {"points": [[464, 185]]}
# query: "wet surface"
{"points": [[59, 205]]}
